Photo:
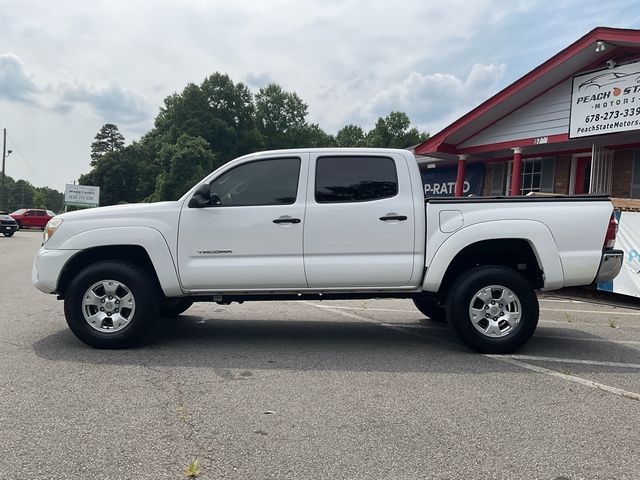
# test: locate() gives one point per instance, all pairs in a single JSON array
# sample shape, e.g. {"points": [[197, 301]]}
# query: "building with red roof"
{"points": [[570, 126]]}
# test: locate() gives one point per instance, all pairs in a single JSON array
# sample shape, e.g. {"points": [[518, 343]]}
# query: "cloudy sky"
{"points": [[68, 67]]}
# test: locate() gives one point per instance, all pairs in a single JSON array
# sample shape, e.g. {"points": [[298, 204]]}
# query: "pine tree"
{"points": [[108, 139]]}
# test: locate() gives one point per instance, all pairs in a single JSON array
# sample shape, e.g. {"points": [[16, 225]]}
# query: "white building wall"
{"points": [[546, 115]]}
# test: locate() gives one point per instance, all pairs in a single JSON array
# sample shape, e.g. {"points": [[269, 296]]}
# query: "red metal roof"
{"points": [[579, 56]]}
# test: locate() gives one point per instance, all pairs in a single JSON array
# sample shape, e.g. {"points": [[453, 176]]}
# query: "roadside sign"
{"points": [[81, 196]]}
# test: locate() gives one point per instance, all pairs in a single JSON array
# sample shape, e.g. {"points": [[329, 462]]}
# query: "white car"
{"points": [[325, 224]]}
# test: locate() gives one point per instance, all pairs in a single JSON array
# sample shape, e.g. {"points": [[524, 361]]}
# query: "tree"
{"points": [[393, 131], [280, 117], [183, 165], [350, 136], [107, 140], [39, 199]]}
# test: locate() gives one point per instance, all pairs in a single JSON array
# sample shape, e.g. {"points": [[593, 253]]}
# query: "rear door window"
{"points": [[342, 179]]}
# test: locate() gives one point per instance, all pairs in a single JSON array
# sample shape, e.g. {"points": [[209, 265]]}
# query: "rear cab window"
{"points": [[364, 178]]}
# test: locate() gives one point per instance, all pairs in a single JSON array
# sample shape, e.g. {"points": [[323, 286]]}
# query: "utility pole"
{"points": [[4, 149]]}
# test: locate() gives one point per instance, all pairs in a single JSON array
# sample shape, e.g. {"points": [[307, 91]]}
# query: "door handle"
{"points": [[286, 220], [389, 218]]}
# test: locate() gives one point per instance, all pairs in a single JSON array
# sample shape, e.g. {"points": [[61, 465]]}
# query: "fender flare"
{"points": [[535, 233], [148, 238]]}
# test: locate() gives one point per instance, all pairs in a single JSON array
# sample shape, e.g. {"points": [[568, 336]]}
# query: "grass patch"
{"points": [[192, 470]]}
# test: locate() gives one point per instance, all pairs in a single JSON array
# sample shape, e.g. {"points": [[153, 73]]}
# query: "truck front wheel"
{"points": [[111, 304], [493, 309]]}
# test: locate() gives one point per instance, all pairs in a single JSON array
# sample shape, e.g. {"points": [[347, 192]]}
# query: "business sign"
{"points": [[606, 101], [441, 181], [81, 196]]}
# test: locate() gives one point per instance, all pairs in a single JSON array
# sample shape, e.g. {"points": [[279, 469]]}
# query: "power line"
{"points": [[19, 152]]}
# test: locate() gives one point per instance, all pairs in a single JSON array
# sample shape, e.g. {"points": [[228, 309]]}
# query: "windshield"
{"points": [[19, 212]]}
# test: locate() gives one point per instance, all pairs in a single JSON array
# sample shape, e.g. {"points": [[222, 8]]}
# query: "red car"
{"points": [[32, 217]]}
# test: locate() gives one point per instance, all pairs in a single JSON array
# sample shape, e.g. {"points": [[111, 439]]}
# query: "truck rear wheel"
{"points": [[430, 309], [111, 304], [493, 309]]}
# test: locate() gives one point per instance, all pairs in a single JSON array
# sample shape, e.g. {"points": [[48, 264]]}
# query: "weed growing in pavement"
{"points": [[192, 469], [564, 371], [612, 324]]}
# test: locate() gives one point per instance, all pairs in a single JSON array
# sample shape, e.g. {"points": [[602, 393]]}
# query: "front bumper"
{"points": [[47, 268], [610, 265], [8, 227]]}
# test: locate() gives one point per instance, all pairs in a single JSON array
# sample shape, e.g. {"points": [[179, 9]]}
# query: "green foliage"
{"points": [[183, 165], [205, 126], [107, 140], [21, 194], [350, 136], [38, 199], [280, 117], [393, 131]]}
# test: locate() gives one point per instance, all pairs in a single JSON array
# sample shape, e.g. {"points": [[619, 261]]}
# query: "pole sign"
{"points": [[441, 181], [81, 196], [606, 101]]}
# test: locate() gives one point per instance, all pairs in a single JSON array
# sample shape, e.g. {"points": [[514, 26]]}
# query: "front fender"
{"points": [[146, 237], [537, 234]]}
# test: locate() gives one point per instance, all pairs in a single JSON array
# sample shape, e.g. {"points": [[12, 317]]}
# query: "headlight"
{"points": [[51, 228]]}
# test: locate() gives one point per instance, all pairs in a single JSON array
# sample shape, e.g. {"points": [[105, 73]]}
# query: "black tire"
{"points": [[464, 292], [8, 234], [19, 225], [144, 289], [430, 309], [175, 306]]}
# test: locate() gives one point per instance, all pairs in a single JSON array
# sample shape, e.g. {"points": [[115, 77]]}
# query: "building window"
{"points": [[531, 176], [537, 176]]}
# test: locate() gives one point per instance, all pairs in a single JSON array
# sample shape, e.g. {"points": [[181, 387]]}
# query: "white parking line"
{"points": [[570, 378], [510, 359], [583, 339], [363, 308], [636, 314], [536, 358]]}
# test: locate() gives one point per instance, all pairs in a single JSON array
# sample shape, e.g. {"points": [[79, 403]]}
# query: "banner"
{"points": [[628, 240], [81, 196], [605, 101], [441, 181]]}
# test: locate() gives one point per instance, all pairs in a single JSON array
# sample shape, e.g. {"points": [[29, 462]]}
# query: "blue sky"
{"points": [[68, 67]]}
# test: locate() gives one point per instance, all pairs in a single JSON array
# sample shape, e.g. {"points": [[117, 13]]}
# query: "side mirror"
{"points": [[201, 197]]}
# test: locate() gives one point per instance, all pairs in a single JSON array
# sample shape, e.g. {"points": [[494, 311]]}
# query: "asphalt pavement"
{"points": [[313, 390]]}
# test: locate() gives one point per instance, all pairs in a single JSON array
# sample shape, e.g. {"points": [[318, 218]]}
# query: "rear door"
{"points": [[359, 225]]}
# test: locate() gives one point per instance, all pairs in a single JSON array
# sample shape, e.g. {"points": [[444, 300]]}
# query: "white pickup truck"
{"points": [[325, 224]]}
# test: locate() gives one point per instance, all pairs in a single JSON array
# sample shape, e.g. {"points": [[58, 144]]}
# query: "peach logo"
{"points": [[616, 91]]}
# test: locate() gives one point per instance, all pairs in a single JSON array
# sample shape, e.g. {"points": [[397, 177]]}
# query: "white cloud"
{"points": [[428, 98], [16, 83], [350, 60], [113, 103]]}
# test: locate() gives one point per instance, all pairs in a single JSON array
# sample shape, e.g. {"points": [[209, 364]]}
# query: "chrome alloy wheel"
{"points": [[108, 306], [495, 311]]}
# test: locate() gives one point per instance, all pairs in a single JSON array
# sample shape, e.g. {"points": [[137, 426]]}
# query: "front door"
{"points": [[359, 226], [583, 174], [250, 237]]}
